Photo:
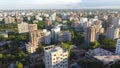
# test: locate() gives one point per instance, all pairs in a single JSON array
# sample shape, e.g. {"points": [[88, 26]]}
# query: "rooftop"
{"points": [[104, 56], [99, 52], [53, 48]]}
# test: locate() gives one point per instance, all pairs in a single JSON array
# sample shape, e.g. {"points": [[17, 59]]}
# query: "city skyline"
{"points": [[58, 4]]}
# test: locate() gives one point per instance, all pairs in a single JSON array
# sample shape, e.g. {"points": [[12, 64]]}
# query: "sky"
{"points": [[58, 4]]}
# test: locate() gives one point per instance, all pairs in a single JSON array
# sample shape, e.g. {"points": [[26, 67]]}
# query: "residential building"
{"points": [[116, 21], [118, 47], [31, 48], [48, 23], [75, 22], [102, 55], [32, 27], [55, 57], [9, 20], [54, 32], [63, 36], [112, 33], [83, 20], [36, 37], [23, 27], [98, 23], [91, 34], [47, 37]]}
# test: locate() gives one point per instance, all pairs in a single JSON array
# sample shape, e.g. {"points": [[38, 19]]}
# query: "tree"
{"points": [[94, 44], [32, 18], [19, 65], [66, 46], [109, 44], [21, 54], [39, 50], [72, 55], [41, 25], [41, 65], [1, 55]]}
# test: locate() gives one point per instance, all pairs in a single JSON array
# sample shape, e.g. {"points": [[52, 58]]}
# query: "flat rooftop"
{"points": [[104, 56], [53, 48], [100, 52]]}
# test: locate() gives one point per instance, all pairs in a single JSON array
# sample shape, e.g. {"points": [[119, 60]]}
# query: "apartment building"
{"points": [[55, 57]]}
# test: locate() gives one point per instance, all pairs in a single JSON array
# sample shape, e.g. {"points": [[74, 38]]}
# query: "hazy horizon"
{"points": [[58, 4]]}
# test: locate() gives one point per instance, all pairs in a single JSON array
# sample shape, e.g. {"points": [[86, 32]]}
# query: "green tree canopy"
{"points": [[66, 46], [107, 43], [93, 45], [1, 55]]}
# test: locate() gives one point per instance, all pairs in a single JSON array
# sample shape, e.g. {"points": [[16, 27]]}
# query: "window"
{"points": [[54, 62], [54, 54], [54, 59]]}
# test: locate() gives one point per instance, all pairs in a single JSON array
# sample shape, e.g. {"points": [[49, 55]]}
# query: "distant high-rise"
{"points": [[55, 57], [98, 23], [9, 20], [63, 36], [47, 37], [25, 27], [90, 34], [32, 27], [75, 22], [116, 21], [118, 47], [54, 32], [36, 37], [48, 23], [109, 20], [31, 48], [112, 32], [83, 20]]}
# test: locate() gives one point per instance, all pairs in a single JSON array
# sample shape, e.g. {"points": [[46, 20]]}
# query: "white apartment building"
{"points": [[118, 47], [53, 16], [47, 36], [83, 20], [54, 31], [55, 57]]}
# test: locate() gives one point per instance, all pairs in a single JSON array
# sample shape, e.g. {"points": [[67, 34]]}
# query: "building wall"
{"points": [[57, 58], [23, 28], [90, 34], [112, 33], [118, 47]]}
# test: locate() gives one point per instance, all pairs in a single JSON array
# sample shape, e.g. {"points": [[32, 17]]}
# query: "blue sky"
{"points": [[58, 4]]}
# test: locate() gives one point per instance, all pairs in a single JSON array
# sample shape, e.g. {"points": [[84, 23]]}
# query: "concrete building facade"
{"points": [[118, 47], [55, 57]]}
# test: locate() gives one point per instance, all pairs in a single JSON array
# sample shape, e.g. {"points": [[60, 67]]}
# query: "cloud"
{"points": [[54, 1], [72, 1]]}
